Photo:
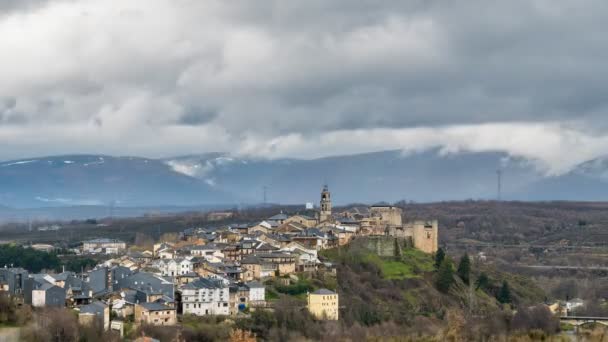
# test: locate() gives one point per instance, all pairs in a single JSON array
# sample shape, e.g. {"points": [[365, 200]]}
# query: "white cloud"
{"points": [[308, 79]]}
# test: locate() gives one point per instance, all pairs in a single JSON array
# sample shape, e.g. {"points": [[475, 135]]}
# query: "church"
{"points": [[381, 220]]}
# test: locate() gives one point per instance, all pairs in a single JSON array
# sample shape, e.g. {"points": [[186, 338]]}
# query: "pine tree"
{"points": [[504, 295], [482, 282], [439, 257], [464, 268], [445, 275]]}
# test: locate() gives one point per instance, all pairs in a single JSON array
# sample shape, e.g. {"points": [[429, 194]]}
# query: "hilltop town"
{"points": [[223, 271]]}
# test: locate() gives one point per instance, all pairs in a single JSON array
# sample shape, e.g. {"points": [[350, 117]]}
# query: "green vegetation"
{"points": [[412, 263], [445, 276], [504, 295], [11, 314], [271, 295], [464, 268], [299, 288], [80, 264], [482, 282], [28, 258], [439, 256]]}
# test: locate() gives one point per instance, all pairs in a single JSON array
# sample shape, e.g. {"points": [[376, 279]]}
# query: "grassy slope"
{"points": [[402, 288]]}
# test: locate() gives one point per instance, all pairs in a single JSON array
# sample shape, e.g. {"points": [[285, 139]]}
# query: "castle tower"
{"points": [[325, 213]]}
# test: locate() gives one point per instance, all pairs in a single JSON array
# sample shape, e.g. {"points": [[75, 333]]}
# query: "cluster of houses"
{"points": [[210, 271]]}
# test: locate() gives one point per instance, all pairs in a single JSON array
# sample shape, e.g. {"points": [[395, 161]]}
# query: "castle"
{"points": [[382, 220]]}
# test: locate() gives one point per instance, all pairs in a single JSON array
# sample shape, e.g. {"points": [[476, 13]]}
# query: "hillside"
{"points": [[396, 297]]}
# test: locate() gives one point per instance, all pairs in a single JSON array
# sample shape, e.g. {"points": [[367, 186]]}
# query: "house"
{"points": [[252, 268], [107, 279], [278, 219], [242, 229], [574, 304], [96, 313], [205, 297], [323, 304], [48, 295], [187, 278], [246, 295], [155, 314], [292, 227], [107, 246], [211, 252], [313, 238], [342, 235], [275, 240], [265, 265], [141, 257], [306, 258], [158, 247], [12, 280], [306, 221], [124, 305], [239, 298], [150, 286], [175, 267], [168, 253], [262, 227], [257, 293]]}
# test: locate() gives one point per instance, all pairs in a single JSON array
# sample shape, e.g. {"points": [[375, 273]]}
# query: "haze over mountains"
{"points": [[219, 179]]}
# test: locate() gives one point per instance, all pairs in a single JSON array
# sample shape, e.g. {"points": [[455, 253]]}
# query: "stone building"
{"points": [[325, 205], [387, 220]]}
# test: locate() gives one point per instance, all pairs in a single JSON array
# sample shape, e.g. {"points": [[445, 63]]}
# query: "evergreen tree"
{"points": [[482, 282], [439, 256], [397, 251], [464, 268], [504, 295], [445, 275]]}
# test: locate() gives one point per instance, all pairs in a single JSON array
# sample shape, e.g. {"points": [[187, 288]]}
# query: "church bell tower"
{"points": [[325, 213]]}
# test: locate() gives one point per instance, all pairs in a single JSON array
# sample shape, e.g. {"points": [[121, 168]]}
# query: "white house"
{"points": [[257, 292], [175, 267], [204, 297], [47, 295], [210, 252]]}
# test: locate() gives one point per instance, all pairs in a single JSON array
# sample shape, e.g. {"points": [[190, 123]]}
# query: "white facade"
{"points": [[111, 246], [175, 267], [211, 255], [257, 294], [204, 301], [38, 298]]}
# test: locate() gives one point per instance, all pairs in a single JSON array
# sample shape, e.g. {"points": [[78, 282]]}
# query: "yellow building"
{"points": [[323, 304]]}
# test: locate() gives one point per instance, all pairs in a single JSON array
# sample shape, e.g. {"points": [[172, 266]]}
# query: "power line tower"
{"points": [[499, 185]]}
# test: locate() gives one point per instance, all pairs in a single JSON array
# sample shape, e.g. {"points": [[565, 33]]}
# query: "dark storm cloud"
{"points": [[196, 115], [279, 70]]}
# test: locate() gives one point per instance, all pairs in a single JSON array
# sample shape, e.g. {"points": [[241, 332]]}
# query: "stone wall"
{"points": [[383, 245]]}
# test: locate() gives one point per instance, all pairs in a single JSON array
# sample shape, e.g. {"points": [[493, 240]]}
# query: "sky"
{"points": [[304, 79]]}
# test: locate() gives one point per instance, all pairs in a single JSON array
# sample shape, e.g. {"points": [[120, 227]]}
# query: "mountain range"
{"points": [[222, 179]]}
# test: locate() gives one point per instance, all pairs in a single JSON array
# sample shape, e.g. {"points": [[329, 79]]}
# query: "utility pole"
{"points": [[264, 188], [499, 184]]}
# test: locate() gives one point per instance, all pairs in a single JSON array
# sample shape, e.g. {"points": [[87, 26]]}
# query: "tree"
{"points": [[439, 256], [482, 282], [397, 251], [445, 275], [504, 295], [464, 268]]}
